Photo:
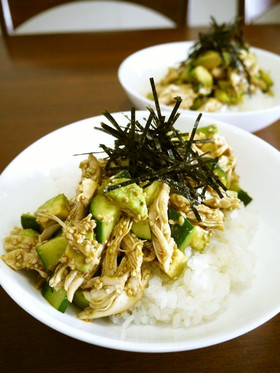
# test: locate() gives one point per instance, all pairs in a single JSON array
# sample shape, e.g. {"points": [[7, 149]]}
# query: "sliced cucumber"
{"points": [[106, 215], [221, 174], [142, 229], [29, 221], [79, 299], [57, 298], [182, 230], [242, 195], [218, 171], [51, 251], [124, 174]]}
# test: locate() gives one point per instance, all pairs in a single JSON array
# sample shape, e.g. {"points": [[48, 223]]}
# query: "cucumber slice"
{"points": [[57, 298], [51, 251], [123, 175], [221, 174], [29, 221], [79, 299], [241, 194], [142, 229], [218, 171], [182, 230], [106, 215]]}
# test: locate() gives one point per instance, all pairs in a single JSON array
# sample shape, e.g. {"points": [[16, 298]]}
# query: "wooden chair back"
{"points": [[15, 12], [250, 10]]}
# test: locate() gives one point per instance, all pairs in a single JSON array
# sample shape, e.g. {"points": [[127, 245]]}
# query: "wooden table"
{"points": [[52, 80]]}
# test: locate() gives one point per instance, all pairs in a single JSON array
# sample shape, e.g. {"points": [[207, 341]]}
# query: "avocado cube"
{"points": [[202, 79], [58, 206], [131, 199], [177, 265], [209, 59]]}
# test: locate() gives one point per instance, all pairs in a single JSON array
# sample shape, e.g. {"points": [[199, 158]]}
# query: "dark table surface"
{"points": [[48, 81]]}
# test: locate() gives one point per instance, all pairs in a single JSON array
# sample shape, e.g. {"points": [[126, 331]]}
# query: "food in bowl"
{"points": [[150, 216], [219, 73]]}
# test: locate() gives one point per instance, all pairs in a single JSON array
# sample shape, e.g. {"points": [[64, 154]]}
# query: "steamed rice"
{"points": [[202, 290], [256, 101]]}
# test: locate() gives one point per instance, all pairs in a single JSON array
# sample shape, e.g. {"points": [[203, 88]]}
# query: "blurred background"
{"points": [[121, 15]]}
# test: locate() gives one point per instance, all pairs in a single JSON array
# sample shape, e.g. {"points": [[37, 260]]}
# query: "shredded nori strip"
{"points": [[224, 37], [157, 150]]}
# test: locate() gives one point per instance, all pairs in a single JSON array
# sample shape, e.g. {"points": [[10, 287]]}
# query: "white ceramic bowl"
{"points": [[153, 62], [48, 167]]}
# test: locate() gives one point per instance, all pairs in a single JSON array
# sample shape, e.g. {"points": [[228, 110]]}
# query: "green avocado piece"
{"points": [[200, 239], [28, 232], [202, 79], [265, 76], [209, 60], [178, 264], [58, 206], [222, 96], [131, 199], [151, 191], [208, 131], [79, 259]]}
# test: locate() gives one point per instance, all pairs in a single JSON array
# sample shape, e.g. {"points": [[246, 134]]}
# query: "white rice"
{"points": [[256, 101], [201, 292]]}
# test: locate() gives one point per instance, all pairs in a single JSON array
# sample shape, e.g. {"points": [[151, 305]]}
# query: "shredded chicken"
{"points": [[211, 105], [21, 253], [17, 241], [210, 218], [121, 285], [185, 91], [158, 219], [89, 183], [81, 240]]}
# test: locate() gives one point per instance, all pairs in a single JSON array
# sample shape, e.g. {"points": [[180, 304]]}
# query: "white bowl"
{"points": [[153, 62], [48, 167]]}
